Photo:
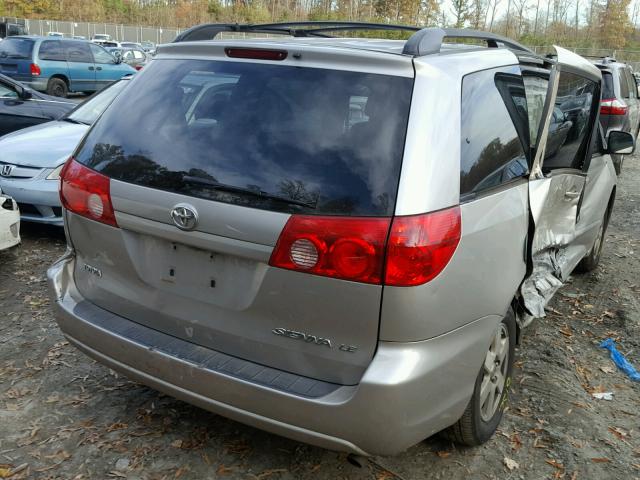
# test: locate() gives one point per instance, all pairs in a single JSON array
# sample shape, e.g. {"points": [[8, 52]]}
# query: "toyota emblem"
{"points": [[184, 216]]}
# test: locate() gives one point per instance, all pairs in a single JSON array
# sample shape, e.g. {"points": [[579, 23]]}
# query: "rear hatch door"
{"points": [[208, 161], [15, 57]]}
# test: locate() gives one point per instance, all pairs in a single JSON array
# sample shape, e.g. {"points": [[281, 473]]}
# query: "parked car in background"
{"points": [[60, 66], [620, 106], [101, 37], [9, 222], [131, 45], [31, 159], [22, 107], [135, 57], [55, 34], [12, 29], [148, 47], [237, 240], [79, 37]]}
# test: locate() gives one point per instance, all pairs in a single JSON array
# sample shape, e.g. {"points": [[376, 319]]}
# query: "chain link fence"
{"points": [[119, 32]]}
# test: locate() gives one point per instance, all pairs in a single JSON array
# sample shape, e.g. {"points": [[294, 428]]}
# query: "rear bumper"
{"points": [[409, 391], [36, 83]]}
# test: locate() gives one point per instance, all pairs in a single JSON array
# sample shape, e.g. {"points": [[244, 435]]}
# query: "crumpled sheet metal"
{"points": [[545, 280]]}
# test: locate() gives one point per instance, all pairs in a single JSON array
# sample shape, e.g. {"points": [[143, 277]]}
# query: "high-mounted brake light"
{"points": [[612, 106], [256, 53], [86, 192], [420, 246], [417, 248], [35, 70]]}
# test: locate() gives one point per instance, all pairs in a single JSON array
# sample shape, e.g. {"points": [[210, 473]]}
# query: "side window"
{"points": [[624, 86], [536, 90], [51, 50], [138, 54], [7, 92], [633, 89], [78, 52], [491, 151], [571, 123], [100, 54]]}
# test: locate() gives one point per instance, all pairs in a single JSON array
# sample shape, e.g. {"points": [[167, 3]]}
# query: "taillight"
{"points": [[86, 192], [420, 246], [256, 53], [612, 106], [138, 67], [35, 70], [350, 248], [416, 248]]}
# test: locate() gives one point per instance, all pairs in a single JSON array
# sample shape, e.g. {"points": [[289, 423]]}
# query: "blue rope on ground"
{"points": [[621, 362]]}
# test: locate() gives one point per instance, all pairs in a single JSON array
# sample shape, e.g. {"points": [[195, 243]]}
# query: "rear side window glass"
{"points": [[16, 48], [274, 137], [491, 150], [571, 123], [536, 92], [52, 50], [78, 52], [607, 86], [624, 86], [633, 89], [101, 55]]}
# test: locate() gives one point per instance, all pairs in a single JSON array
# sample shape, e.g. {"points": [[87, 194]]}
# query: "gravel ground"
{"points": [[64, 416]]}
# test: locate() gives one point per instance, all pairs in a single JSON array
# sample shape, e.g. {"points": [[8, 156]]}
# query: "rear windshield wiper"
{"points": [[14, 55], [246, 191]]}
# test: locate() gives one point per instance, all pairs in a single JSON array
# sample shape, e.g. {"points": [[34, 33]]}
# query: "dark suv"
{"points": [[620, 106]]}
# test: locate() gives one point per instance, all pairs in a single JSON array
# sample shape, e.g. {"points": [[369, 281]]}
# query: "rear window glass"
{"points": [[607, 86], [624, 86], [17, 48], [266, 136]]}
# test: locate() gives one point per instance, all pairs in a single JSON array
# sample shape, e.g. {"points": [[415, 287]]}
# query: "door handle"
{"points": [[571, 195], [98, 68], [90, 68]]}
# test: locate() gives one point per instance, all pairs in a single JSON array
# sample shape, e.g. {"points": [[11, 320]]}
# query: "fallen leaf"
{"points": [[555, 464], [222, 470], [5, 472], [510, 464], [443, 454], [273, 471], [177, 443]]}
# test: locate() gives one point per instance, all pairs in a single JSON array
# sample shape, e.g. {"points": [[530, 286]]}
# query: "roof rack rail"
{"points": [[424, 41], [209, 31], [429, 40]]}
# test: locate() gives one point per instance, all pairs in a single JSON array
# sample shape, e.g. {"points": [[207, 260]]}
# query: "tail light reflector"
{"points": [[350, 248], [86, 192], [416, 248], [612, 106], [35, 69], [256, 53], [420, 246], [138, 67]]}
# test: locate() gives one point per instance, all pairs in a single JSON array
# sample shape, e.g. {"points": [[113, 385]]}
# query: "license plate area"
{"points": [[205, 276]]}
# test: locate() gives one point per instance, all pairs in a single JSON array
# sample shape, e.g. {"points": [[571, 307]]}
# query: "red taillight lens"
{"points": [[350, 248], [420, 246], [138, 67], [86, 192], [612, 106], [256, 53], [35, 70]]}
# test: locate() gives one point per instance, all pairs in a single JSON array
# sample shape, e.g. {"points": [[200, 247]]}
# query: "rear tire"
{"points": [[57, 87], [491, 390]]}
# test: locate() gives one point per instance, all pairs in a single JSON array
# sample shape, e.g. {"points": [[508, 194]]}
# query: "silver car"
{"points": [[335, 240], [31, 158]]}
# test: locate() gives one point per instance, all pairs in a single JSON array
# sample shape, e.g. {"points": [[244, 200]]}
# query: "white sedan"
{"points": [[9, 222]]}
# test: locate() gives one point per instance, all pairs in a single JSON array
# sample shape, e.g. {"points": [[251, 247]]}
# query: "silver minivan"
{"points": [[334, 239]]}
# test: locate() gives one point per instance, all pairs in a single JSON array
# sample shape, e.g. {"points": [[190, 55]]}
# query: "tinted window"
{"points": [[261, 131], [18, 48], [491, 151], [78, 52], [633, 89], [607, 86], [100, 55], [571, 123], [51, 50], [536, 93], [624, 86], [90, 110]]}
